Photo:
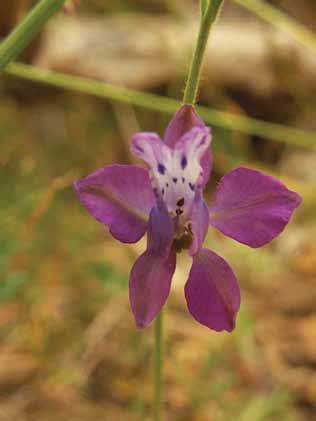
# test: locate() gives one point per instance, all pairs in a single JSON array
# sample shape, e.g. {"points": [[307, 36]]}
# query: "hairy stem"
{"points": [[209, 11]]}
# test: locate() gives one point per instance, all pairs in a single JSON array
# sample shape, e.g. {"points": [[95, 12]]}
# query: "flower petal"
{"points": [[251, 207], [175, 173], [191, 149], [149, 285], [212, 292], [152, 272], [119, 196], [150, 148], [206, 164], [160, 230], [183, 121], [200, 222]]}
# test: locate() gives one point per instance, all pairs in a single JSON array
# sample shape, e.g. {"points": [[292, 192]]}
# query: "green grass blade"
{"points": [[277, 132], [282, 21], [22, 35]]}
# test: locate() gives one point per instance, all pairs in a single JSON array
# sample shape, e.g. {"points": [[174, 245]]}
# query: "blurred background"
{"points": [[69, 349]]}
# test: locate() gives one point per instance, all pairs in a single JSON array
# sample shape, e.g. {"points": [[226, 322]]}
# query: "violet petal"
{"points": [[149, 285], [212, 292], [194, 146], [200, 223], [160, 230], [150, 148], [119, 196], [152, 272], [183, 121], [251, 207]]}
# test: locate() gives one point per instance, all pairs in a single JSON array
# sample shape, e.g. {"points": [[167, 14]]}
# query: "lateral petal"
{"points": [[119, 196], [251, 207]]}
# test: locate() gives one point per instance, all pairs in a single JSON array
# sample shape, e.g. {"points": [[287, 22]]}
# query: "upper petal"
{"points": [[252, 207], [119, 196], [175, 173], [212, 292], [191, 150], [182, 122], [150, 148], [149, 285]]}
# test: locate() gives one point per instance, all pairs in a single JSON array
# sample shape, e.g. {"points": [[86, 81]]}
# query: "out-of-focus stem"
{"points": [[278, 132], [22, 35], [280, 20]]}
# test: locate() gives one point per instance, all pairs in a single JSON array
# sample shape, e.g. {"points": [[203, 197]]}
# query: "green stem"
{"points": [[158, 366], [209, 11], [22, 35]]}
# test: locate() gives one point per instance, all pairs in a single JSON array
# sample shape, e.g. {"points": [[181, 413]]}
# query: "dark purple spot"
{"points": [[161, 169], [183, 180], [180, 202], [192, 186], [202, 141], [163, 191], [174, 180], [167, 185], [179, 211], [140, 149], [184, 162]]}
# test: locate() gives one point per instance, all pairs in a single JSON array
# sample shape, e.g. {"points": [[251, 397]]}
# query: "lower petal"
{"points": [[149, 285], [251, 207], [212, 292]]}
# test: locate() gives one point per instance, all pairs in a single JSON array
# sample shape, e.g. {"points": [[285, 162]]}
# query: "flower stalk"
{"points": [[210, 10], [23, 34], [158, 364]]}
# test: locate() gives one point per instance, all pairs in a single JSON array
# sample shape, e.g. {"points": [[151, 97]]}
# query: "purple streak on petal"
{"points": [[200, 223], [183, 121], [119, 196], [160, 230], [150, 148], [212, 292], [251, 207], [149, 285], [193, 144]]}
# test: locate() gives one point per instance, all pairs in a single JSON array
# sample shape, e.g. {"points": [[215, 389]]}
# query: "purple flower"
{"points": [[167, 202]]}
